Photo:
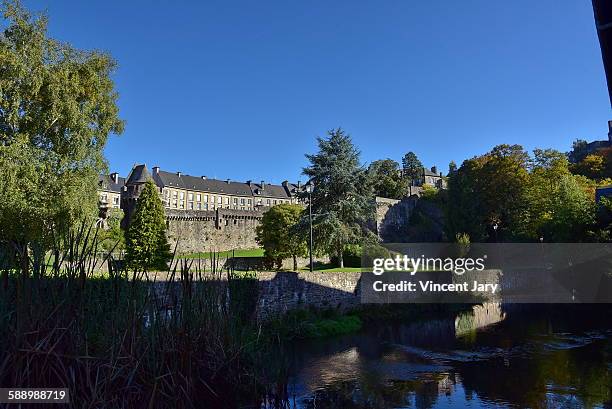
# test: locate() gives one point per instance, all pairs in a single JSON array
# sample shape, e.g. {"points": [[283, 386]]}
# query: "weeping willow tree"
{"points": [[58, 106]]}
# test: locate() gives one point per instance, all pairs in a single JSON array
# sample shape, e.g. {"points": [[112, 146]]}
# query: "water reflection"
{"points": [[489, 357]]}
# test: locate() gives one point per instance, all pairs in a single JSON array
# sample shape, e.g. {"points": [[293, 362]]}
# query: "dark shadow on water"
{"points": [[538, 356]]}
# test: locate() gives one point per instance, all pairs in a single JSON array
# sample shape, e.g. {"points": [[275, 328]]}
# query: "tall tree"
{"points": [[342, 198], [412, 167], [490, 190], [146, 242], [276, 233], [387, 179], [57, 108]]}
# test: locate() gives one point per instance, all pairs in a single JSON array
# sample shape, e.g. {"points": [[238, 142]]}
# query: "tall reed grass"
{"points": [[127, 339]]}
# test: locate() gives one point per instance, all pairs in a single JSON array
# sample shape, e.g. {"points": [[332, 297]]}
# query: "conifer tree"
{"points": [[412, 167], [342, 200], [146, 243]]}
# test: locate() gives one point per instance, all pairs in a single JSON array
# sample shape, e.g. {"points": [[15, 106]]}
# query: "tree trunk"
{"points": [[340, 259], [295, 263]]}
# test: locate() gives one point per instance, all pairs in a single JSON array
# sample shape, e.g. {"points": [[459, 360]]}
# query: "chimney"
{"points": [[228, 181], [263, 185], [156, 169], [249, 182], [115, 177], [299, 184], [178, 174], [434, 169], [285, 183], [204, 178]]}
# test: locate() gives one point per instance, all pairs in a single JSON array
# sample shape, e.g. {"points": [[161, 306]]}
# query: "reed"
{"points": [[128, 339]]}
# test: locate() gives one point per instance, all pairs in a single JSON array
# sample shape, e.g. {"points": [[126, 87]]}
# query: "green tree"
{"points": [[57, 108], [490, 190], [452, 167], [277, 233], [387, 180], [412, 167], [573, 210], [146, 243], [342, 200], [112, 237]]}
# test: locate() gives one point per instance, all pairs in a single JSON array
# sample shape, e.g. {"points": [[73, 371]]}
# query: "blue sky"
{"points": [[240, 89]]}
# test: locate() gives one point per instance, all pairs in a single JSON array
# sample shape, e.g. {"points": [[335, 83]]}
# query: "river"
{"points": [[491, 356]]}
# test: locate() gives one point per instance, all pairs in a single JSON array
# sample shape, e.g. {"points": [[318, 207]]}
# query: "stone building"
{"points": [[587, 148], [109, 190], [202, 213], [433, 178]]}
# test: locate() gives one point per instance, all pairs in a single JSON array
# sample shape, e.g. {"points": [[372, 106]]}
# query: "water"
{"points": [[489, 357]]}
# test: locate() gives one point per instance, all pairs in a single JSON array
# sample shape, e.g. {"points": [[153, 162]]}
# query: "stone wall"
{"points": [[218, 230], [392, 217], [284, 291]]}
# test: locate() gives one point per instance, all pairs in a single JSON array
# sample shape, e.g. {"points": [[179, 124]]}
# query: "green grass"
{"points": [[227, 254]]}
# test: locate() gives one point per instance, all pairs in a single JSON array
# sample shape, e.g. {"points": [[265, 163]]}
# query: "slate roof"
{"points": [[106, 182], [269, 190], [138, 174], [169, 179], [428, 172]]}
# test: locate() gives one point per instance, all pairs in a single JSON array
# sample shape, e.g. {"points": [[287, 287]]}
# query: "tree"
{"points": [[112, 237], [490, 190], [342, 199], [57, 108], [387, 180], [579, 150], [596, 166], [146, 243], [277, 233], [412, 167], [452, 167]]}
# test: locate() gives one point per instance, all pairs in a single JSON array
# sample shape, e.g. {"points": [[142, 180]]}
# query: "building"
{"points": [[587, 148], [433, 178], [109, 190], [179, 191]]}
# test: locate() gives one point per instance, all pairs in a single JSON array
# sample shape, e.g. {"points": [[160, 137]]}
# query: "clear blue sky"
{"points": [[240, 89]]}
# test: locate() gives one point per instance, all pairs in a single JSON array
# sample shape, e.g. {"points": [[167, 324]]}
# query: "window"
{"points": [[174, 203], [205, 206], [199, 206], [212, 199], [275, 202], [227, 200], [190, 196], [198, 197], [116, 200], [242, 203], [258, 202], [219, 199], [250, 202], [103, 198], [174, 194], [268, 202], [235, 201], [190, 205]]}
